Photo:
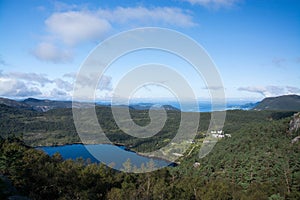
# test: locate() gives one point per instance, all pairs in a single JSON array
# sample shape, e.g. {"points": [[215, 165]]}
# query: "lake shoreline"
{"points": [[171, 163]]}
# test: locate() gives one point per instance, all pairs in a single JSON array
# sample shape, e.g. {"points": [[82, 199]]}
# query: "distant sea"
{"points": [[203, 106], [207, 106]]}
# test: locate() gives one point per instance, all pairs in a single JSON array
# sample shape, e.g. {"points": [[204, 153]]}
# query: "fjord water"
{"points": [[110, 154]]}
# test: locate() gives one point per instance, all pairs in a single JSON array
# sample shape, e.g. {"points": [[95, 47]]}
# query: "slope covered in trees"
{"points": [[257, 162], [286, 102], [56, 126]]}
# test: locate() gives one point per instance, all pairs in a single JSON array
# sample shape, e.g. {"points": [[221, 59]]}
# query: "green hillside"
{"points": [[15, 104], [56, 126], [259, 161], [286, 102]]}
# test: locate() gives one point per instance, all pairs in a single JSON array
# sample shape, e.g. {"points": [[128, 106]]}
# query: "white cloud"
{"points": [[105, 83], [58, 93], [62, 84], [15, 88], [271, 90], [214, 3], [293, 90], [214, 88], [70, 28], [148, 16], [32, 77], [266, 91], [83, 80], [50, 53], [18, 84], [86, 80], [71, 75], [61, 6], [73, 27]]}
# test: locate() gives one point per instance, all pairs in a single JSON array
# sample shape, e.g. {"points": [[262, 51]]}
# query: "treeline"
{"points": [[257, 162], [56, 126], [259, 158]]}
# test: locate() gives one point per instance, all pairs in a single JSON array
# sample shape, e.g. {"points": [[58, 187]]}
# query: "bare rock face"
{"points": [[196, 164], [296, 139], [295, 126], [295, 123]]}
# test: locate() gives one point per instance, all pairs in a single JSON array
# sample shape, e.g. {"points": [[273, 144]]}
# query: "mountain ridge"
{"points": [[44, 105], [281, 103]]}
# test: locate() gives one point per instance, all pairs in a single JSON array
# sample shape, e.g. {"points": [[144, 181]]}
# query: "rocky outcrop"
{"points": [[295, 126], [295, 123], [296, 139]]}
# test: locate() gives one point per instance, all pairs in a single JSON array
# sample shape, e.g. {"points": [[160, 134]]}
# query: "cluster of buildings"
{"points": [[219, 134]]}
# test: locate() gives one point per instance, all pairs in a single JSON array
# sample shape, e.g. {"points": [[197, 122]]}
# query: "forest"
{"points": [[259, 161]]}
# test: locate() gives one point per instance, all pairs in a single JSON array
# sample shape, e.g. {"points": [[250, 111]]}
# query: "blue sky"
{"points": [[255, 44]]}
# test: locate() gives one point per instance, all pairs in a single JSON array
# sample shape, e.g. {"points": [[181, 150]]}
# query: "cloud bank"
{"points": [[271, 90], [214, 3], [21, 85], [50, 53], [77, 26], [147, 16]]}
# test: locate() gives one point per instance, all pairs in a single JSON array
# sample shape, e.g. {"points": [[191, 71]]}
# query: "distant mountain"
{"points": [[147, 106], [41, 105], [286, 103], [44, 105], [15, 104], [248, 106], [169, 107], [238, 106]]}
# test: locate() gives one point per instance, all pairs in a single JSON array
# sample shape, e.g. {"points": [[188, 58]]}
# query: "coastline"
{"points": [[65, 144]]}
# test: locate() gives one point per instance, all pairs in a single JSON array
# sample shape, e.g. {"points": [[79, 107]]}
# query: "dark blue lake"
{"points": [[106, 153]]}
